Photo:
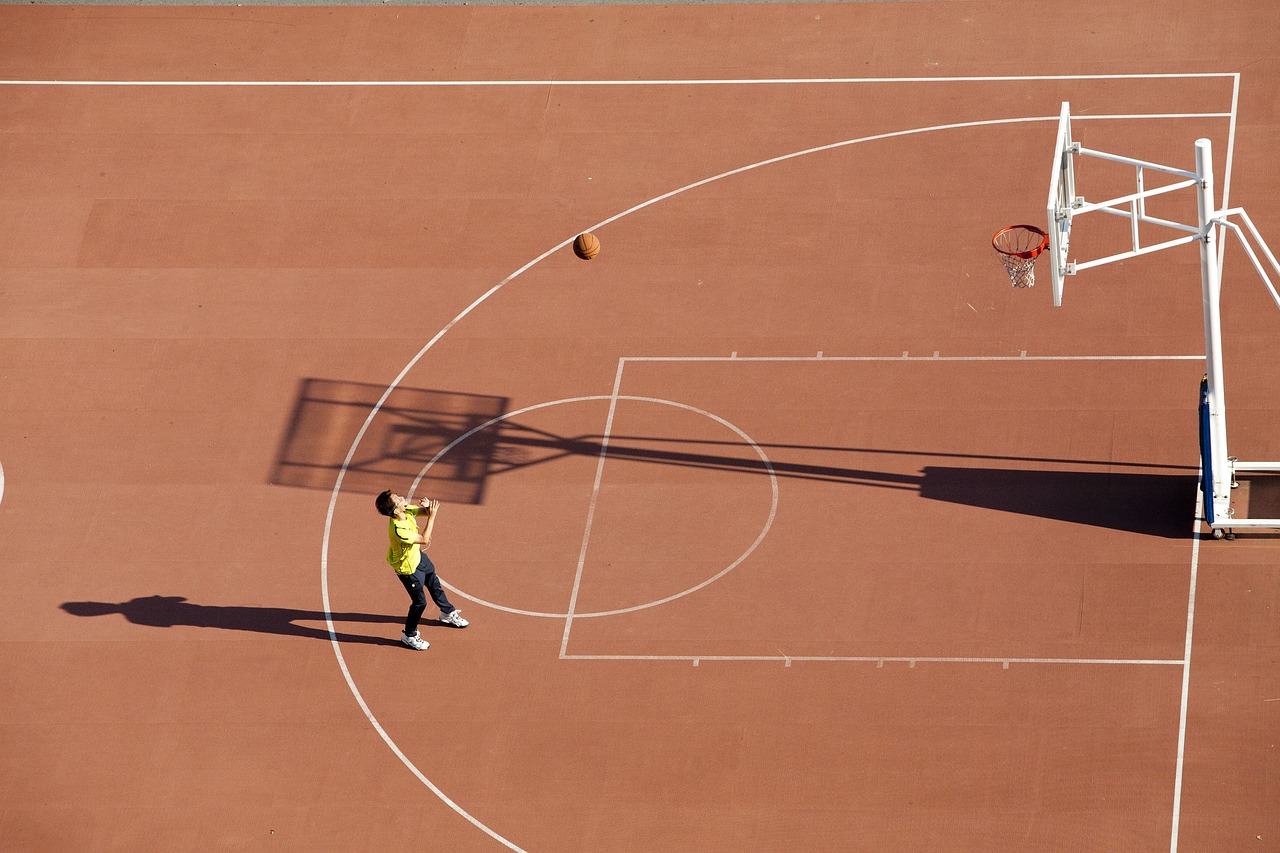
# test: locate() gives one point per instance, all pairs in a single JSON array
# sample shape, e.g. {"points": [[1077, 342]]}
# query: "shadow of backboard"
{"points": [[1145, 503], [412, 426]]}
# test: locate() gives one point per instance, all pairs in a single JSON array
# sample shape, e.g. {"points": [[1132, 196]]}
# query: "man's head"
{"points": [[386, 503]]}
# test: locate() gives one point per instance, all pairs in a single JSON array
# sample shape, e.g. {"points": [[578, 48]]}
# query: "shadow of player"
{"points": [[167, 611]]}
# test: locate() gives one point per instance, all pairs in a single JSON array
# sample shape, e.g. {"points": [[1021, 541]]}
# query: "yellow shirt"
{"points": [[404, 554]]}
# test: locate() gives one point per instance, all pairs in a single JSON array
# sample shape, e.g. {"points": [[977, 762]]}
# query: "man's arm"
{"points": [[431, 508]]}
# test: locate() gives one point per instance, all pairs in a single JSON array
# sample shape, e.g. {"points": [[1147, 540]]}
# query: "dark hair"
{"points": [[384, 504]]}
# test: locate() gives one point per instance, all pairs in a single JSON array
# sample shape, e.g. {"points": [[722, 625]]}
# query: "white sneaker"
{"points": [[454, 618], [415, 642]]}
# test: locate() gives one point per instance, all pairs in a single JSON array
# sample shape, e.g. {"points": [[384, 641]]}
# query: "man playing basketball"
{"points": [[412, 566]]}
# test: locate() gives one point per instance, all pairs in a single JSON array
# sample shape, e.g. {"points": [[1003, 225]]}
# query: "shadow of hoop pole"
{"points": [[415, 424]]}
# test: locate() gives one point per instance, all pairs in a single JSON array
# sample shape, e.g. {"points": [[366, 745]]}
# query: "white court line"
{"points": [[768, 81], [725, 82], [882, 659], [788, 659], [1122, 116], [1186, 668], [333, 499], [764, 459], [876, 137], [736, 359], [899, 358], [591, 507]]}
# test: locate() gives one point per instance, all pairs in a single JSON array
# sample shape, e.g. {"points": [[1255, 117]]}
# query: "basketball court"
{"points": [[784, 523]]}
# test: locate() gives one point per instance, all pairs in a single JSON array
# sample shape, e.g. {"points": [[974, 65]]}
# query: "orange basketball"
{"points": [[586, 246]]}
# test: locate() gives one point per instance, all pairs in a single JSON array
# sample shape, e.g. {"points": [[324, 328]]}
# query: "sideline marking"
{"points": [[1, 484], [766, 81], [364, 428], [905, 357], [1186, 666], [880, 660]]}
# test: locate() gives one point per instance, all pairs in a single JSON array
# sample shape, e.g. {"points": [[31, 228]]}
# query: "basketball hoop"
{"points": [[1019, 246]]}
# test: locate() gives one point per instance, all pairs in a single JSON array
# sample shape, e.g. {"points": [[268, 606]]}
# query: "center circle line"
{"points": [[768, 523], [364, 428]]}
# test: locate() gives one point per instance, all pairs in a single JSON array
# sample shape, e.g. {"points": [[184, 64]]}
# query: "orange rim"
{"points": [[1015, 241]]}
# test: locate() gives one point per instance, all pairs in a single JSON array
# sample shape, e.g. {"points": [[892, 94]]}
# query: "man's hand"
{"points": [[430, 508]]}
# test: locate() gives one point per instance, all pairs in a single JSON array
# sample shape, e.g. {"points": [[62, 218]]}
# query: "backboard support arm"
{"points": [[1209, 231]]}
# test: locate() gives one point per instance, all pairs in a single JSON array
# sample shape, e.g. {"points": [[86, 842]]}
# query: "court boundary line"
{"points": [[881, 659], [737, 81], [333, 499], [904, 357], [1186, 665], [781, 81]]}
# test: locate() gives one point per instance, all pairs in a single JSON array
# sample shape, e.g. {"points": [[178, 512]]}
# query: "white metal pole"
{"points": [[1211, 285]]}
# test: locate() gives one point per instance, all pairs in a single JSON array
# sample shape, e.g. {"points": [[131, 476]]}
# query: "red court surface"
{"points": [[784, 524]]}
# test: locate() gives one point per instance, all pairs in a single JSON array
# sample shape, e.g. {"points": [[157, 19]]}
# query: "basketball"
{"points": [[586, 246]]}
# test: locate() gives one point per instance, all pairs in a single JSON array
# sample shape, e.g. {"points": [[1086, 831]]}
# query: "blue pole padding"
{"points": [[1206, 451]]}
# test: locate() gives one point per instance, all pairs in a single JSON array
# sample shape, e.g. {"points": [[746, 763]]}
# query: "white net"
{"points": [[1022, 271], [1018, 247]]}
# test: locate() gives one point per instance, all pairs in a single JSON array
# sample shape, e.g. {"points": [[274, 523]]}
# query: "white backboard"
{"points": [[1062, 198]]}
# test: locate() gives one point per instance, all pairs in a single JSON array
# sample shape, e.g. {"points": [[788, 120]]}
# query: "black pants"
{"points": [[415, 584]]}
